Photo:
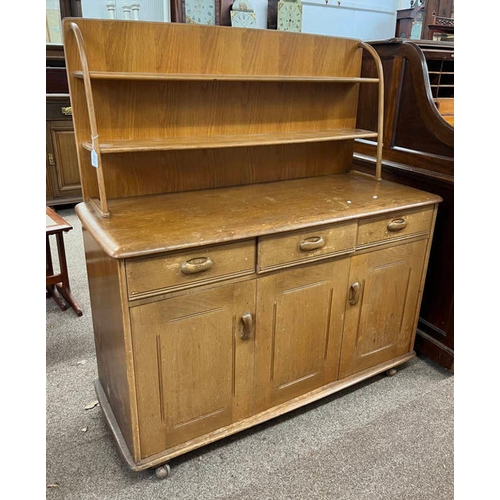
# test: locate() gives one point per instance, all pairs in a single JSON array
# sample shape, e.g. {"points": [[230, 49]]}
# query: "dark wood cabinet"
{"points": [[409, 22], [62, 174], [425, 18], [418, 150]]}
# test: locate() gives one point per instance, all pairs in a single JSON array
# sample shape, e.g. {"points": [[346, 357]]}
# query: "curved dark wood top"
{"points": [[420, 43], [153, 224], [429, 114]]}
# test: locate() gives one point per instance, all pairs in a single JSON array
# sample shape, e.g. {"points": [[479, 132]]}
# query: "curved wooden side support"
{"points": [[380, 126], [93, 124], [425, 101]]}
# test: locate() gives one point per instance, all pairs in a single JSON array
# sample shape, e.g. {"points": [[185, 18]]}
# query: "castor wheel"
{"points": [[163, 471], [391, 372]]}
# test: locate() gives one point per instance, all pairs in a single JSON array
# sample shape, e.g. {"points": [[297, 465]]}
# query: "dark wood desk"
{"points": [[58, 284]]}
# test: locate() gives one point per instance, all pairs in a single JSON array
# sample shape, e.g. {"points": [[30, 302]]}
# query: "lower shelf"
{"points": [[230, 141], [298, 402]]}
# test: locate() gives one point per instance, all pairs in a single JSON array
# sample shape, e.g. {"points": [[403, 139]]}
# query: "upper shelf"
{"points": [[223, 141], [115, 75], [131, 101]]}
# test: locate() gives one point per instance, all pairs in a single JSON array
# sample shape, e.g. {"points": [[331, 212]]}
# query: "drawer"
{"points": [[56, 80], [395, 225], [60, 110], [285, 249], [172, 271]]}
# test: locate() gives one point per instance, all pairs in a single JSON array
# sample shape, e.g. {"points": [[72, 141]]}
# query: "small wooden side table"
{"points": [[58, 284]]}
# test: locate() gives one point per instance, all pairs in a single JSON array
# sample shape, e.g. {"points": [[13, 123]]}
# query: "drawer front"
{"points": [[60, 110], [166, 272], [396, 225], [283, 250]]}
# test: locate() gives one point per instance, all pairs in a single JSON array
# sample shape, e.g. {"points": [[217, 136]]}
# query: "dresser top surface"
{"points": [[153, 224]]}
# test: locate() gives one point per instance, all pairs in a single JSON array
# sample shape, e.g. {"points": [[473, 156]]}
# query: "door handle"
{"points": [[247, 320], [197, 265], [312, 243], [354, 290], [396, 225]]}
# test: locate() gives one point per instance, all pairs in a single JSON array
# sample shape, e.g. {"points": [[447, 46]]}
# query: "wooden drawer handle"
{"points": [[197, 265], [312, 243], [396, 225], [247, 321], [354, 290]]}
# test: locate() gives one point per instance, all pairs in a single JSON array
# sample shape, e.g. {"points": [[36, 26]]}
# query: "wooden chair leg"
{"points": [[66, 293], [52, 292], [61, 290]]}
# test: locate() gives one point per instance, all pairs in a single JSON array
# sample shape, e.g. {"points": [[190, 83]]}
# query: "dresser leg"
{"points": [[391, 372], [163, 471]]}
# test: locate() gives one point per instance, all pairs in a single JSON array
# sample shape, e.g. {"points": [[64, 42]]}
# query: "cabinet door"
{"points": [[62, 161], [300, 315], [381, 310], [193, 370]]}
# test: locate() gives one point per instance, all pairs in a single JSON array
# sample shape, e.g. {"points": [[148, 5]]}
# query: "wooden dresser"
{"points": [[237, 269], [418, 150]]}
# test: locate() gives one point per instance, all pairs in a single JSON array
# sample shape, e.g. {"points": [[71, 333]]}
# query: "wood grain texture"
{"points": [[63, 141], [283, 250], [446, 107], [301, 316], [146, 276], [228, 140], [117, 46], [110, 337], [130, 110], [251, 421], [415, 133], [55, 223], [427, 164], [62, 160], [435, 337], [108, 75], [376, 229], [182, 392], [62, 173], [148, 225], [381, 325], [178, 171], [208, 100]]}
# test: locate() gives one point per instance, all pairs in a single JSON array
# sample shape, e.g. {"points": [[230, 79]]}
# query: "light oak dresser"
{"points": [[238, 269]]}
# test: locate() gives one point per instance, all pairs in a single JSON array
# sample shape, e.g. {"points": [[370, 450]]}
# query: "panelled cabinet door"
{"points": [[62, 160], [383, 294], [300, 316], [193, 363]]}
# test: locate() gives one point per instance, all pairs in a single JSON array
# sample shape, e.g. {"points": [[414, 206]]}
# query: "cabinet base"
{"points": [[298, 402], [67, 200], [436, 351]]}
